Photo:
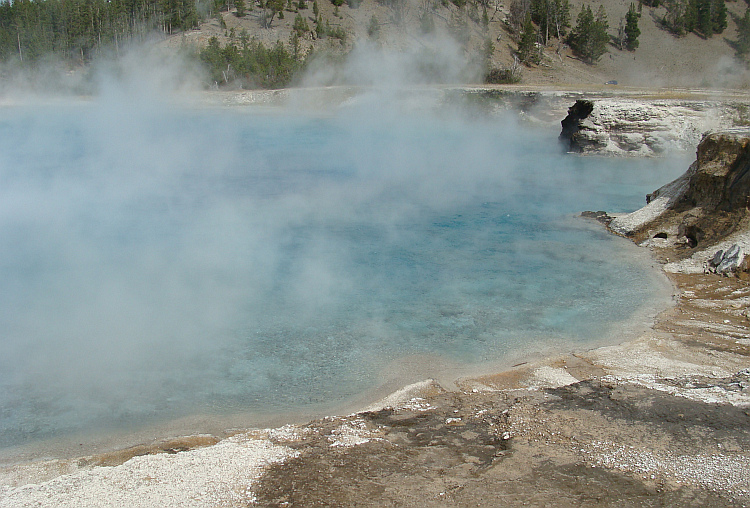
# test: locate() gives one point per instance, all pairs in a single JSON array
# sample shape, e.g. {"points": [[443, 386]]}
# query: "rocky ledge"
{"points": [[620, 126], [700, 221]]}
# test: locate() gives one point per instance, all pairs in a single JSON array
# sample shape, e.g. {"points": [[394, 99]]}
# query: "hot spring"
{"points": [[160, 262]]}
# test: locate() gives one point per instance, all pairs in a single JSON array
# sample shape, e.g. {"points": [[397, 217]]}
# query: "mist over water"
{"points": [[159, 261]]}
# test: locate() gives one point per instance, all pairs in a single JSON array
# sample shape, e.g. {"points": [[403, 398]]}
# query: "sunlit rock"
{"points": [[702, 216], [725, 261], [619, 126]]}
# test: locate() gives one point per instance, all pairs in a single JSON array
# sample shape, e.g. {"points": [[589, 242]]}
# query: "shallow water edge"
{"points": [[398, 374]]}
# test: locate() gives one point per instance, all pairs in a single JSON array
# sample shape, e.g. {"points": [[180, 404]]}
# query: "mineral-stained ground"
{"points": [[609, 440]]}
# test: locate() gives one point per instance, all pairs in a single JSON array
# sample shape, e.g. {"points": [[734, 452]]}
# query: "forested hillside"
{"points": [[76, 30], [266, 43]]}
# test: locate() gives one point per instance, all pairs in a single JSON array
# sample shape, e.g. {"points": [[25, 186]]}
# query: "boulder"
{"points": [[727, 261], [716, 260]]}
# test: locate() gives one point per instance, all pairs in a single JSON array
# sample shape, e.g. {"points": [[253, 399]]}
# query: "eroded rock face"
{"points": [[636, 127], [703, 211], [572, 123], [722, 178]]}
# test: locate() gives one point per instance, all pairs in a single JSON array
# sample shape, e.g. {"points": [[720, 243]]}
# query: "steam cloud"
{"points": [[149, 249]]}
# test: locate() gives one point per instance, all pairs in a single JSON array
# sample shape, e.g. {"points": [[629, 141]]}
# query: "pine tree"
{"points": [[488, 49], [704, 24], [552, 17], [517, 15], [373, 29], [601, 17], [631, 29], [540, 14], [295, 45], [743, 34], [718, 16], [240, 6], [527, 53], [276, 7], [689, 20], [678, 14], [300, 26], [584, 23], [561, 17], [589, 38], [600, 35]]}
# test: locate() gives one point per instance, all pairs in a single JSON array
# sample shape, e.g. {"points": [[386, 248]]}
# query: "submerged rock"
{"points": [[600, 216]]}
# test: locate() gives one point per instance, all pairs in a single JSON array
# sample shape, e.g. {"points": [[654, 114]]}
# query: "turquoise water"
{"points": [[160, 262]]}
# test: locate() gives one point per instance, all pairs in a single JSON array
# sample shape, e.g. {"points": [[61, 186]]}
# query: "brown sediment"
{"points": [[174, 445]]}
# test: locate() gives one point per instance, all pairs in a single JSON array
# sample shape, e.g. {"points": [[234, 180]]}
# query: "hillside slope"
{"points": [[662, 60]]}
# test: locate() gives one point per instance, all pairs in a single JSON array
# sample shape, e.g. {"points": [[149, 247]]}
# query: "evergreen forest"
{"points": [[78, 30]]}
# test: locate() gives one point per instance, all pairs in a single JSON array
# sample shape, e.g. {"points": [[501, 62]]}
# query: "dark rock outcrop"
{"points": [[599, 216], [571, 124], [716, 198], [703, 207], [721, 180]]}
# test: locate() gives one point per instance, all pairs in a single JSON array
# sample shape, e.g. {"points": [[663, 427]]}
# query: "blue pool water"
{"points": [[158, 262]]}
